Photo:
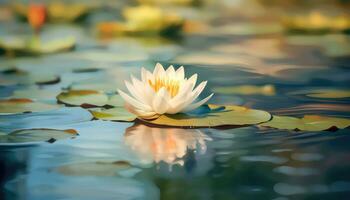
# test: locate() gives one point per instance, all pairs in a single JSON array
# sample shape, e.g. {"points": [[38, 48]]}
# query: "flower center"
{"points": [[171, 85]]}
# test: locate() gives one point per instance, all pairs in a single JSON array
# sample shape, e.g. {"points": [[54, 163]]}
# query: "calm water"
{"points": [[115, 160]]}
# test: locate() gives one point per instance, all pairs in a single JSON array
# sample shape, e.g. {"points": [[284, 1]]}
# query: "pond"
{"points": [[255, 66]]}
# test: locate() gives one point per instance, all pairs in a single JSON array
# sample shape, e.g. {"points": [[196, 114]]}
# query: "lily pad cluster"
{"points": [[101, 105], [111, 108]]}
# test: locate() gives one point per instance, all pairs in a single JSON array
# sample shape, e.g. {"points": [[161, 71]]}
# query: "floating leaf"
{"points": [[213, 116], [99, 168], [307, 123], [59, 117], [57, 11], [144, 19], [105, 87], [89, 98], [36, 46], [262, 48], [13, 106], [325, 93], [35, 93], [116, 101], [16, 76], [317, 22], [267, 90], [330, 93], [34, 136], [247, 29], [169, 2], [84, 98], [114, 114]]}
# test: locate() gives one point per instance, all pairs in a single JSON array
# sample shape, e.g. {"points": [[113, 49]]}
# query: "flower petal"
{"points": [[134, 91], [141, 113], [158, 70], [133, 102], [180, 73], [146, 75], [197, 104], [170, 71], [197, 91], [160, 101], [146, 97], [193, 80]]}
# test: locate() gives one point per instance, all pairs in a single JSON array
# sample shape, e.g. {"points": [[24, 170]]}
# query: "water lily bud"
{"points": [[36, 16]]}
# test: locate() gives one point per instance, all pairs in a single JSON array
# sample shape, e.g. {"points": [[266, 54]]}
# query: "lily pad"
{"points": [[106, 87], [307, 123], [35, 93], [47, 119], [98, 168], [36, 46], [325, 93], [214, 116], [34, 136], [267, 90], [13, 106], [57, 11], [89, 98], [114, 114], [16, 76], [144, 20], [84, 98]]}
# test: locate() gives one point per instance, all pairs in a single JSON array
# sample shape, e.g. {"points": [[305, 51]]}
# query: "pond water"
{"points": [[123, 160]]}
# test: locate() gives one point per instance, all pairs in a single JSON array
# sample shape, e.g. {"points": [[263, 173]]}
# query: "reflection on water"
{"points": [[169, 145]]}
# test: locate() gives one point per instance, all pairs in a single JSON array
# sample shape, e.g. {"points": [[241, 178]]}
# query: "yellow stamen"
{"points": [[171, 85]]}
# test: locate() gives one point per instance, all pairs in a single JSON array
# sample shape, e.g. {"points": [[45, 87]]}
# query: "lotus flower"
{"points": [[163, 92], [169, 145]]}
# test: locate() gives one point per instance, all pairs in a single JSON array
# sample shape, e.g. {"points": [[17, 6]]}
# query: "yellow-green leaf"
{"points": [[113, 114], [307, 123], [33, 136], [88, 98], [13, 106], [267, 90], [227, 116]]}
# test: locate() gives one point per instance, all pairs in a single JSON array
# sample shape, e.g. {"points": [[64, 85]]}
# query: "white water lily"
{"points": [[163, 92]]}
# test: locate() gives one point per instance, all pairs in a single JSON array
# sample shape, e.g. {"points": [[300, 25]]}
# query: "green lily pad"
{"points": [[35, 93], [267, 90], [114, 114], [98, 168], [36, 46], [213, 116], [116, 101], [15, 76], [83, 98], [106, 87], [89, 98], [307, 123], [326, 93], [34, 136], [13, 106]]}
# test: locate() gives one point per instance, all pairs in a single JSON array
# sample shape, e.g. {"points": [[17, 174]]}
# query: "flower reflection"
{"points": [[169, 145]]}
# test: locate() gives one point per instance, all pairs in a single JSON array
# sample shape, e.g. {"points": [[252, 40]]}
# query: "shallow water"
{"points": [[118, 160]]}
